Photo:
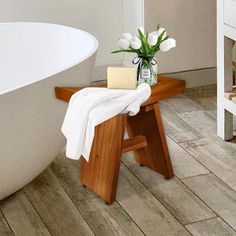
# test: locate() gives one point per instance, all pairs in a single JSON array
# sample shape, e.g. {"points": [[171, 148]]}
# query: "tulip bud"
{"points": [[167, 45], [152, 39], [141, 29], [160, 31], [127, 36], [136, 43], [123, 44]]}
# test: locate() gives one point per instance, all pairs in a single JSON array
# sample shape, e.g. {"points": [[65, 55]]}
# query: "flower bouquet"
{"points": [[146, 45]]}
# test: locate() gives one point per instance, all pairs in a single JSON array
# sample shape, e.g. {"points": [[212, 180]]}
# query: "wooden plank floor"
{"points": [[200, 200]]}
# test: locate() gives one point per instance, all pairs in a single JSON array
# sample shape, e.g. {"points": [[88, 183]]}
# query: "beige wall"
{"points": [[193, 24], [102, 18]]}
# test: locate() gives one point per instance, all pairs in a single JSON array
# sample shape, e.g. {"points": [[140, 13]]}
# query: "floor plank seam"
{"points": [[140, 181], [190, 191], [131, 218], [5, 219], [217, 215], [198, 221], [121, 206], [73, 202], [189, 152], [194, 176], [36, 211], [210, 172], [190, 140], [97, 197]]}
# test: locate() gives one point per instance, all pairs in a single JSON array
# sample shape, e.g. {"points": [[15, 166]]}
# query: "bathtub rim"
{"points": [[94, 50]]}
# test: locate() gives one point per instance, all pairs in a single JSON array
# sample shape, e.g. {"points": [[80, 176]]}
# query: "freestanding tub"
{"points": [[34, 58]]}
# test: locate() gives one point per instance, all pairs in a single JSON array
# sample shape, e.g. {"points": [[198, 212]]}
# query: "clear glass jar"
{"points": [[147, 70]]}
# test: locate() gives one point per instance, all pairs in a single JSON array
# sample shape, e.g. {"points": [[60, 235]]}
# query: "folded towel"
{"points": [[90, 107]]}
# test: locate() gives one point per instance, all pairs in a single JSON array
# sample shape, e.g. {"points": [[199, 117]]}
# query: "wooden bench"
{"points": [[146, 139]]}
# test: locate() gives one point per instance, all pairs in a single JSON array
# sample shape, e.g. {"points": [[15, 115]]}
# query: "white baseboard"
{"points": [[193, 78]]}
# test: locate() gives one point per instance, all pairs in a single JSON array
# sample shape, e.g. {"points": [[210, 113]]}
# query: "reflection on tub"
{"points": [[34, 58]]}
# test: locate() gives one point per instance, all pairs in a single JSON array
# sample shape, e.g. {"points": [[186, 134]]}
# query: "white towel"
{"points": [[90, 107]]}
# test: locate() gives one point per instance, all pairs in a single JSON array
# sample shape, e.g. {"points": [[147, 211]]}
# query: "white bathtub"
{"points": [[34, 58]]}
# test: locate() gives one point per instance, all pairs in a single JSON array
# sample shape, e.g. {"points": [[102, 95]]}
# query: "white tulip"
{"points": [[152, 39], [142, 29], [127, 36], [124, 44], [167, 45], [136, 43], [160, 31]]}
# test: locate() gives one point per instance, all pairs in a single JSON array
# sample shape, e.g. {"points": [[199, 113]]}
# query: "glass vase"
{"points": [[147, 70]]}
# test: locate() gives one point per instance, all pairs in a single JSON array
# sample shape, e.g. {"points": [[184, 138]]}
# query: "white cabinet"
{"points": [[230, 12], [226, 37]]}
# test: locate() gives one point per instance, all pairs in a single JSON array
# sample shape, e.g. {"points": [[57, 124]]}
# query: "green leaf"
{"points": [[157, 47], [145, 47], [161, 36], [165, 38], [140, 33]]}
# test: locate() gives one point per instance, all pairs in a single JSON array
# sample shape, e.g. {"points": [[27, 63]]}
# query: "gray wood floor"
{"points": [[200, 200]]}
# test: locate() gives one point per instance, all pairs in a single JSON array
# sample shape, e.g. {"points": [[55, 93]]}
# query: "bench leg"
{"points": [[156, 155], [100, 174]]}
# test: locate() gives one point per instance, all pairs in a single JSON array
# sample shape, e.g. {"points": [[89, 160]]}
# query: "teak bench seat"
{"points": [[146, 139]]}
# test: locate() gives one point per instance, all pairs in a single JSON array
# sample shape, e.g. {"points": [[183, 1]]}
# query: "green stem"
{"points": [[129, 51]]}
